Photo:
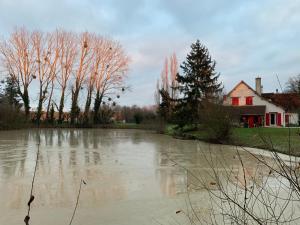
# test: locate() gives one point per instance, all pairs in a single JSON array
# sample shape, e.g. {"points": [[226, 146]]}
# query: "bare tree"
{"points": [[67, 53], [168, 76], [53, 71], [85, 58], [173, 75], [168, 90], [157, 94], [46, 55], [112, 71], [18, 57], [293, 84], [165, 76], [93, 72], [64, 59]]}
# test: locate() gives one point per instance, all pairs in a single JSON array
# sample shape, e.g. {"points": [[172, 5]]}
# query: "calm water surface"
{"points": [[131, 175]]}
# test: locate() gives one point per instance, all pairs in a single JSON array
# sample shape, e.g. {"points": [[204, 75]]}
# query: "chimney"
{"points": [[258, 87]]}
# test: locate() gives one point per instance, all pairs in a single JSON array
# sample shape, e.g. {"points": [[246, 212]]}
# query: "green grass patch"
{"points": [[285, 140], [281, 139]]}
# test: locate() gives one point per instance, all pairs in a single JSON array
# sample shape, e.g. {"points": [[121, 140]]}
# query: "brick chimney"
{"points": [[258, 87]]}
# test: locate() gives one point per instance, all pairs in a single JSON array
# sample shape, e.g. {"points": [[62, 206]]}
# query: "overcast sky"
{"points": [[246, 38]]}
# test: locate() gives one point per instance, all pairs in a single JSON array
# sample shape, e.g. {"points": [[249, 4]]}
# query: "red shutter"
{"points": [[278, 119], [235, 101], [267, 119], [249, 100]]}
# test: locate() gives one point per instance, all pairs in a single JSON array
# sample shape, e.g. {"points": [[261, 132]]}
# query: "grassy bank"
{"points": [[280, 139], [143, 126]]}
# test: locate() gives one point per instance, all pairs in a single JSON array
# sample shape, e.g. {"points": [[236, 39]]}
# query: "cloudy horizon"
{"points": [[247, 39]]}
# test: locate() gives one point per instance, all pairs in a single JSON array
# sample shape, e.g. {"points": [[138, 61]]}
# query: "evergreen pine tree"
{"points": [[198, 84], [11, 94]]}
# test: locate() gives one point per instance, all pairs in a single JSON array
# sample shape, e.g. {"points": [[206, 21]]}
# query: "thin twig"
{"points": [[31, 197], [76, 205]]}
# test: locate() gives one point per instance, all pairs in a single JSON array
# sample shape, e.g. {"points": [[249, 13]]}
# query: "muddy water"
{"points": [[133, 177]]}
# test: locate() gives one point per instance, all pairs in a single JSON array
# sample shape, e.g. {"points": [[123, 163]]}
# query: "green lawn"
{"points": [[261, 138], [282, 139]]}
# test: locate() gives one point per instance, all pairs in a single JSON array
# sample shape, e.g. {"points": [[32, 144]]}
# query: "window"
{"points": [[235, 100], [249, 100]]}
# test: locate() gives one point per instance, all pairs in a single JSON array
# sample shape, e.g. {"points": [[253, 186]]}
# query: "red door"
{"points": [[251, 121]]}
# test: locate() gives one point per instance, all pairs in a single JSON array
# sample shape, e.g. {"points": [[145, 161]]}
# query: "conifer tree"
{"points": [[11, 93], [198, 84]]}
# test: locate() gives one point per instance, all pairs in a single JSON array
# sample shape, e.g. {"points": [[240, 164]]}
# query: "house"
{"points": [[255, 108]]}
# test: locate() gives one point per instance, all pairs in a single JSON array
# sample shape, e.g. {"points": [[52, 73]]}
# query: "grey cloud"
{"points": [[244, 37]]}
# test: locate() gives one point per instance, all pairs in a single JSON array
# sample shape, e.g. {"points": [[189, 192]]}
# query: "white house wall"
{"points": [[293, 118], [242, 91]]}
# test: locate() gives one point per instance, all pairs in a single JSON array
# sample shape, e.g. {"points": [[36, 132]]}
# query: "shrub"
{"points": [[10, 117], [138, 117], [217, 122]]}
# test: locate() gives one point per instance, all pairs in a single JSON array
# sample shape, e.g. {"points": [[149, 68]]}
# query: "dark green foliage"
{"points": [[138, 117], [129, 114], [105, 115], [10, 92], [217, 123], [97, 105], [165, 107], [10, 106], [198, 84]]}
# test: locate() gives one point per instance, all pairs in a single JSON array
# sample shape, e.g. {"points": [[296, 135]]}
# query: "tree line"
{"points": [[83, 63]]}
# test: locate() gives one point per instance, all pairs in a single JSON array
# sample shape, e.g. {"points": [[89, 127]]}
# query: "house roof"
{"points": [[289, 101]]}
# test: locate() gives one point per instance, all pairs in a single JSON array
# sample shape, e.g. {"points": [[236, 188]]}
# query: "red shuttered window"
{"points": [[235, 100], [278, 119], [249, 100]]}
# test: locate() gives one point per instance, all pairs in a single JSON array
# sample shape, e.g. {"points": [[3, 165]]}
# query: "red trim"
{"points": [[267, 119], [279, 119]]}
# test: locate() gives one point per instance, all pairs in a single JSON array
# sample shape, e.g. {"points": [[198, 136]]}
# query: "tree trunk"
{"points": [[88, 105], [40, 105], [49, 102], [74, 106], [97, 105], [61, 106], [25, 98]]}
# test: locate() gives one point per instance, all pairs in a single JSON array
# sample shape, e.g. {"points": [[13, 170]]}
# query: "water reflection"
{"points": [[120, 166]]}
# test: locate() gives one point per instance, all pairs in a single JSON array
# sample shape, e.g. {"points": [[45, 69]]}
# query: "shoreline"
{"points": [[153, 127]]}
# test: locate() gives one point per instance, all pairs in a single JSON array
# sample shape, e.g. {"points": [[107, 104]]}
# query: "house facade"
{"points": [[254, 108]]}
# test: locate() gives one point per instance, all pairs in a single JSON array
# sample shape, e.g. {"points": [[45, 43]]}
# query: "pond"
{"points": [[132, 176]]}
